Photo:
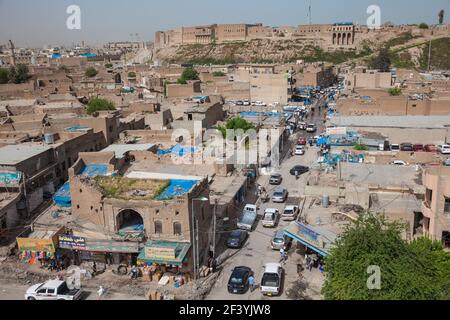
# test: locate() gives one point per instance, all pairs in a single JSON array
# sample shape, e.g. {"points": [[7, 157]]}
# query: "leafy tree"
{"points": [[416, 270], [395, 91], [382, 61], [108, 65], [18, 74], [4, 76], [218, 74], [98, 104], [361, 147], [91, 72], [188, 74], [423, 26], [441, 17], [235, 124], [131, 74]]}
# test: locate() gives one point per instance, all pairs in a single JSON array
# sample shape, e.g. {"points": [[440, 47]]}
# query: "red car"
{"points": [[301, 141], [430, 148], [418, 148]]}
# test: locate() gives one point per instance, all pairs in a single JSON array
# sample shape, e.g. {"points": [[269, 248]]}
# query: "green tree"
{"points": [[361, 147], [417, 270], [382, 61], [108, 65], [395, 91], [131, 74], [4, 76], [18, 74], [235, 124], [218, 74], [91, 72], [188, 74], [423, 26], [98, 104]]}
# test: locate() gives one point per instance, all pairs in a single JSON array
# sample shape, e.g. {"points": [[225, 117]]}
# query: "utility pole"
{"points": [[429, 56], [214, 228]]}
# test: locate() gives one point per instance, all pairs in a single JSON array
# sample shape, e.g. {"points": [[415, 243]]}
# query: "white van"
{"points": [[272, 279], [444, 148]]}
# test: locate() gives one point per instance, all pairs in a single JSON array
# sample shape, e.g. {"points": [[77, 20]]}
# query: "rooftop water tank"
{"points": [[49, 138]]}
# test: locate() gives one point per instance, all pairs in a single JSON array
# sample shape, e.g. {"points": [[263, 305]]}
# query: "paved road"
{"points": [[257, 252], [12, 291]]}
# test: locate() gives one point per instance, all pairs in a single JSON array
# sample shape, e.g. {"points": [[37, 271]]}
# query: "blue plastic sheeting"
{"points": [[56, 56], [333, 159], [88, 55], [322, 141], [76, 128], [177, 150], [177, 188], [93, 170], [62, 197], [7, 177], [365, 98]]}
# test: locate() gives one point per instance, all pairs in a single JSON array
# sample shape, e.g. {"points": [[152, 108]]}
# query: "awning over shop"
{"points": [[164, 252], [315, 238]]}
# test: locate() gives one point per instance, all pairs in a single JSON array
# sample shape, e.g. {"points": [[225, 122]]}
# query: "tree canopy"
{"points": [[382, 61], [188, 74], [91, 72], [98, 104], [235, 124], [15, 74], [409, 270], [4, 76], [395, 91], [423, 25]]}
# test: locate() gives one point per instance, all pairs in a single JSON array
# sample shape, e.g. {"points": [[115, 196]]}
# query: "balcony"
{"points": [[426, 209]]}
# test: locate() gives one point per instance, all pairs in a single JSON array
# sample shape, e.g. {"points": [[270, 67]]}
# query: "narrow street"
{"points": [[256, 251]]}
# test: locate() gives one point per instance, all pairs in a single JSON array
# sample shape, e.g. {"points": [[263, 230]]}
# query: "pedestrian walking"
{"points": [[251, 282], [134, 273]]}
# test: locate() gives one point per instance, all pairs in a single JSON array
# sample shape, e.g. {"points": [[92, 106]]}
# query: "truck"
{"points": [[52, 290], [248, 217]]}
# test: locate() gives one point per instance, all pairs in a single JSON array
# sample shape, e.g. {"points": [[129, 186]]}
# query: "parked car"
{"points": [[446, 162], [271, 217], [418, 148], [444, 148], [239, 103], [52, 290], [395, 147], [430, 148], [278, 240], [302, 126], [300, 169], [299, 150], [248, 217], [399, 163], [238, 282], [236, 239], [279, 195], [272, 279], [275, 179], [406, 147], [246, 102], [290, 213], [311, 128], [301, 141]]}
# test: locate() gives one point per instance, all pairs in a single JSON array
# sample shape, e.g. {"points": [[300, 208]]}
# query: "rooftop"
{"points": [[14, 154], [422, 122], [121, 149]]}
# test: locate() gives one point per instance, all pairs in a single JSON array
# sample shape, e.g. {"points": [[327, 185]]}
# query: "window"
{"points": [[42, 291], [50, 291], [428, 196], [177, 228], [447, 205], [158, 227]]}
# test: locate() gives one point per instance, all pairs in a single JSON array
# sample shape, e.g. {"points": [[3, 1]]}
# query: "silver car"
{"points": [[278, 240], [279, 195]]}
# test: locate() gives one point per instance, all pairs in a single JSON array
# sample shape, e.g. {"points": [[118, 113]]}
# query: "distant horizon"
{"points": [[42, 23]]}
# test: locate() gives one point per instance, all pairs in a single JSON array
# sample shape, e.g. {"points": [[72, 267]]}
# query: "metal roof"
{"points": [[14, 154]]}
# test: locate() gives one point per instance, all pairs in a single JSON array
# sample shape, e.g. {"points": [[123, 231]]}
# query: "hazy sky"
{"points": [[39, 22]]}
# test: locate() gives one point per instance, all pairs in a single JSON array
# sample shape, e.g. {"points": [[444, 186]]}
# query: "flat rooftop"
{"points": [[14, 154], [121, 149], [419, 122]]}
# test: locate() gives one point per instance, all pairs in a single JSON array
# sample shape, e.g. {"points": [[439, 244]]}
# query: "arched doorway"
{"points": [[129, 220]]}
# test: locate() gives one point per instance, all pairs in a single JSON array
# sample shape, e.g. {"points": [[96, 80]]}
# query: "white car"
{"points": [[399, 163], [52, 290], [299, 150], [311, 128], [270, 218], [290, 213], [272, 279], [444, 148]]}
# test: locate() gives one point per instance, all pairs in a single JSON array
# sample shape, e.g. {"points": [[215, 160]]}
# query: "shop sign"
{"points": [[30, 244], [72, 242], [308, 235], [160, 253]]}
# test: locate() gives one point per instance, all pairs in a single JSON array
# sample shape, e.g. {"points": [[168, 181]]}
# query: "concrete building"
{"points": [[436, 206], [368, 79], [269, 88]]}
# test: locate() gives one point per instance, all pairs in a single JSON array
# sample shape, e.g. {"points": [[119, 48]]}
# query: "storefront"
{"points": [[166, 255], [103, 251], [39, 244]]}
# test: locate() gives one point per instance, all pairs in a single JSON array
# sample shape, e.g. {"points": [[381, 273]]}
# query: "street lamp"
{"points": [[195, 235]]}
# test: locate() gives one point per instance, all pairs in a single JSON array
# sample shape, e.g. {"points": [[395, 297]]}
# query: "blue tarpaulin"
{"points": [[178, 150], [176, 189], [62, 196]]}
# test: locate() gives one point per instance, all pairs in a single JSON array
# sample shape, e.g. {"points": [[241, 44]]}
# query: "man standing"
{"points": [[251, 282]]}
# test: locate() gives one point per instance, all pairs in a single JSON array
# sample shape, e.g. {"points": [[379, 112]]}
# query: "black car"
{"points": [[238, 282], [406, 147], [236, 239], [300, 169]]}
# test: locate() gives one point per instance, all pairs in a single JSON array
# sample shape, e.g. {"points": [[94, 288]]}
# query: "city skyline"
{"points": [[138, 20]]}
